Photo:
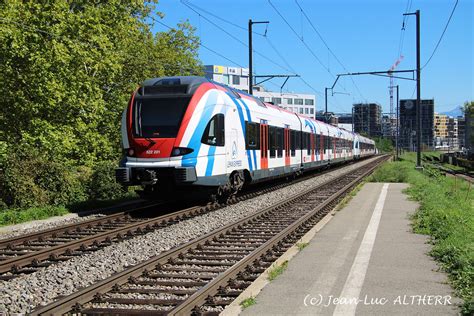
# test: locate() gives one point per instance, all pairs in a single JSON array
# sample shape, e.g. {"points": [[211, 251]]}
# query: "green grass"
{"points": [[302, 245], [15, 216], [277, 270], [446, 214], [248, 302]]}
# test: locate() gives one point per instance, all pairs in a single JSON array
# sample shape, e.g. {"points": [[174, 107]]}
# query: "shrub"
{"points": [[103, 185], [32, 179], [15, 216]]}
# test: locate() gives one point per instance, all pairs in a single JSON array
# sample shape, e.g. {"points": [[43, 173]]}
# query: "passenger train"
{"points": [[191, 132]]}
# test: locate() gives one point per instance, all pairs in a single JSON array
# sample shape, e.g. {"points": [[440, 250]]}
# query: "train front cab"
{"points": [[152, 130]]}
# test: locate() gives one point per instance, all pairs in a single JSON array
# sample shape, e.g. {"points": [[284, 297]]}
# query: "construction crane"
{"points": [[394, 66]]}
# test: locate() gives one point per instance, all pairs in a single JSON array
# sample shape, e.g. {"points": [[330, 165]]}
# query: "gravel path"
{"points": [[22, 294]]}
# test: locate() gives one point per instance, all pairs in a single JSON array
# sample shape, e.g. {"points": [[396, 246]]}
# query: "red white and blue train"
{"points": [[192, 132]]}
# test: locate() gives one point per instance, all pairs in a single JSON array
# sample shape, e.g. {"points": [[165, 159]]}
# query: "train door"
{"points": [[264, 145], [233, 159], [321, 147], [312, 147], [287, 146]]}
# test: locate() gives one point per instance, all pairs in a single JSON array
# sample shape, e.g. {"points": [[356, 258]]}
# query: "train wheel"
{"points": [[237, 181]]}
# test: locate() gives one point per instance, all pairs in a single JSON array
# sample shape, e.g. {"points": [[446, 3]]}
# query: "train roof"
{"points": [[189, 85]]}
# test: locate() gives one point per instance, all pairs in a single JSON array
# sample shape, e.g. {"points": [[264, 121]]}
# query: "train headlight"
{"points": [[180, 151], [131, 152]]}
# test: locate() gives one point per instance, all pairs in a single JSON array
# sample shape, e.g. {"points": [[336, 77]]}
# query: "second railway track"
{"points": [[206, 274], [28, 253]]}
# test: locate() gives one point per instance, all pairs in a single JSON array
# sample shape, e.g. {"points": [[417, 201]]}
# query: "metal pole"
{"points": [[250, 59], [325, 104], [353, 129], [397, 123], [418, 93]]}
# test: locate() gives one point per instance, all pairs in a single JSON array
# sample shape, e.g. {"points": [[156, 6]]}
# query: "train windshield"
{"points": [[158, 117]]}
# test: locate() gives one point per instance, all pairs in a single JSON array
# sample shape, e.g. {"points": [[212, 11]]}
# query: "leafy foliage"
{"points": [[102, 184], [31, 180], [15, 216], [67, 71], [384, 145]]}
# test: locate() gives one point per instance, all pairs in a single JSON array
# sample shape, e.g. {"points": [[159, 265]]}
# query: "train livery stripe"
{"points": [[191, 109], [211, 156], [210, 160], [242, 123], [195, 141], [250, 153]]}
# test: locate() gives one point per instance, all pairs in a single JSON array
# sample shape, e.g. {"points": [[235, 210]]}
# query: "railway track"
{"points": [[203, 276], [28, 253]]}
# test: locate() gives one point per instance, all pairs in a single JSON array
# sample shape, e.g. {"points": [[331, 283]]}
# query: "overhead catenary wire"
{"points": [[442, 34], [188, 3], [306, 44], [288, 67], [234, 37], [329, 49], [202, 45], [300, 38], [403, 28], [291, 68]]}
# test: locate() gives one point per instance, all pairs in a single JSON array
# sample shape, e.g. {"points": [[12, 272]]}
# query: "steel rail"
{"points": [[193, 303], [13, 241], [53, 253], [17, 263], [77, 299]]}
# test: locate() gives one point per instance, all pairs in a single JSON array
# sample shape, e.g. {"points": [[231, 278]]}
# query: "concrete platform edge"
{"points": [[234, 308]]}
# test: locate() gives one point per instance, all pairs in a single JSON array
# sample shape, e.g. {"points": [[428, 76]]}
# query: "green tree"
{"points": [[384, 144], [468, 110], [67, 70]]}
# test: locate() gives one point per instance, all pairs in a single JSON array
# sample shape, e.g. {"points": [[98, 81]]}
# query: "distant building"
{"points": [[389, 126], [368, 119], [238, 78], [295, 102], [453, 136], [445, 132], [329, 117], [469, 130], [461, 132], [408, 124], [345, 120], [440, 131], [234, 77]]}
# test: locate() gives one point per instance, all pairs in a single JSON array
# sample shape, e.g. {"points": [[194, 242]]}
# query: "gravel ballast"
{"points": [[24, 293], [43, 224]]}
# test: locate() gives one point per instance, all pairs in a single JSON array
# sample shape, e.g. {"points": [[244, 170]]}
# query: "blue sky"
{"points": [[364, 36]]}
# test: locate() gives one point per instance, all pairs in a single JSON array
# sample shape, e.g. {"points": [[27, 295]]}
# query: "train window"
{"points": [[158, 117], [308, 142], [273, 142], [293, 143], [315, 142], [298, 140], [305, 141], [252, 135], [214, 133], [280, 141]]}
